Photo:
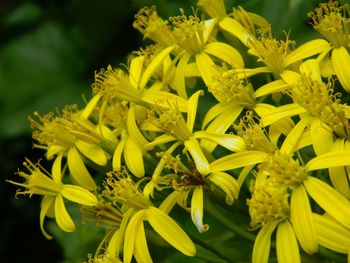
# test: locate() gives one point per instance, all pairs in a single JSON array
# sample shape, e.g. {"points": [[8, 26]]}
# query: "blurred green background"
{"points": [[49, 51]]}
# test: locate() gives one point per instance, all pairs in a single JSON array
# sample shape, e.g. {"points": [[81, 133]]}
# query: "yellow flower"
{"points": [[214, 8], [53, 192], [333, 22], [72, 135], [119, 188]]}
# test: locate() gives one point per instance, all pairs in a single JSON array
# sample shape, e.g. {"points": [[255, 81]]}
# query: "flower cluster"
{"points": [[188, 125]]}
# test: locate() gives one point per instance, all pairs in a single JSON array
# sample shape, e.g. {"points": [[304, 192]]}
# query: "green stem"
{"points": [[210, 248], [219, 216]]}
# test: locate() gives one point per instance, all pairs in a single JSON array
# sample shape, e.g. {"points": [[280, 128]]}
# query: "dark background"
{"points": [[49, 51]]}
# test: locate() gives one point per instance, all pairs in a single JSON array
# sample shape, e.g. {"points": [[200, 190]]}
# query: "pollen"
{"points": [[170, 120], [114, 84], [283, 171], [229, 88], [189, 32], [320, 101], [153, 27], [270, 51], [333, 22], [268, 204], [253, 134]]}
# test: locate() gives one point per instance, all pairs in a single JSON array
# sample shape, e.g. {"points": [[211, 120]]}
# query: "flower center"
{"points": [[333, 22]]}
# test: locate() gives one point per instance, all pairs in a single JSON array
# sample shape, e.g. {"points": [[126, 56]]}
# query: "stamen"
{"points": [[333, 22]]}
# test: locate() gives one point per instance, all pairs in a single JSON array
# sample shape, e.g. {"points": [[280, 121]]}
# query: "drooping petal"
{"points": [[198, 156], [63, 219], [133, 128], [46, 202], [226, 53], [78, 170], [212, 113], [92, 151], [286, 244], [226, 183], [168, 229], [341, 66], [117, 155], [131, 234], [301, 218], [261, 249], [197, 209], [329, 200], [133, 157], [237, 160], [78, 195], [56, 170], [141, 252], [331, 234]]}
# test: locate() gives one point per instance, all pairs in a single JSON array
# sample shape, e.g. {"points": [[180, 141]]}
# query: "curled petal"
{"points": [[63, 219]]}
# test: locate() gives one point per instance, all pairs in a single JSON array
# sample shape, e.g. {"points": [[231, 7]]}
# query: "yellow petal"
{"points": [[180, 73], [159, 140], [56, 170], [192, 109], [135, 70], [232, 26], [329, 200], [341, 66], [197, 155], [327, 160], [261, 249], [213, 112], [141, 249], [290, 77], [197, 209], [331, 234], [131, 232], [237, 160], [78, 170], [156, 62], [206, 67], [271, 87], [221, 124], [169, 202], [228, 184], [162, 98], [92, 151], [286, 244], [229, 141], [308, 49], [168, 229], [46, 203], [248, 72], [117, 156], [311, 67], [291, 141], [321, 136], [133, 157], [78, 195], [133, 129], [64, 221], [85, 113], [282, 112], [226, 53], [301, 218]]}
